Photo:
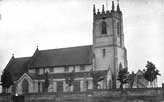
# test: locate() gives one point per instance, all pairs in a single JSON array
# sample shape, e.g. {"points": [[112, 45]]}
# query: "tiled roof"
{"points": [[50, 58], [17, 66], [62, 57]]}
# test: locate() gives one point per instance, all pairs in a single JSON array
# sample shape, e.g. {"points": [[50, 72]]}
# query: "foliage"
{"points": [[6, 79], [97, 77], [123, 77], [151, 72], [70, 78], [131, 79], [46, 83]]}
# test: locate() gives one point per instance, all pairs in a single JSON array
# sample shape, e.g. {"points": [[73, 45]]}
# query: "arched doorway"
{"points": [[25, 86]]}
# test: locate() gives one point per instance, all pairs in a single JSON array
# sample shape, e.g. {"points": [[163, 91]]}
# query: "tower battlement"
{"points": [[97, 14]]}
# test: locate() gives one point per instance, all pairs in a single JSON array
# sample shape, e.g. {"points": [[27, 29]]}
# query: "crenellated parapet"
{"points": [[97, 14]]}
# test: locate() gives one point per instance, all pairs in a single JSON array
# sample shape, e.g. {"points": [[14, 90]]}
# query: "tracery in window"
{"points": [[25, 86]]}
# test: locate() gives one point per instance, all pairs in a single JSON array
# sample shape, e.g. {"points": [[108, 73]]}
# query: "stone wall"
{"points": [[5, 98], [127, 95]]}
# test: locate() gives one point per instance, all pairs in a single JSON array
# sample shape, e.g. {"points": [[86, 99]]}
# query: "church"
{"points": [[106, 56]]}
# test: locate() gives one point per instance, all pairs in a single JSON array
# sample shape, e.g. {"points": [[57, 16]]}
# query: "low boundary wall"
{"points": [[117, 95]]}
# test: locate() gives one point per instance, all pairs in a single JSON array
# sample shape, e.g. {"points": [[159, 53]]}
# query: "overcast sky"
{"points": [[53, 24]]}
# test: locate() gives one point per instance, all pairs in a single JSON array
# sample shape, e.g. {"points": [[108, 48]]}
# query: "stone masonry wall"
{"points": [[127, 95]]}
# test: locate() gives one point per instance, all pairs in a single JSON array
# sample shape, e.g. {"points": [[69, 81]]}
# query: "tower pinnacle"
{"points": [[103, 8], [112, 6], [118, 6], [12, 55], [94, 9]]}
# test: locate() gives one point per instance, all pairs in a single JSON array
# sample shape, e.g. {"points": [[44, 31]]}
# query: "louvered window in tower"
{"points": [[103, 52], [103, 28], [118, 29]]}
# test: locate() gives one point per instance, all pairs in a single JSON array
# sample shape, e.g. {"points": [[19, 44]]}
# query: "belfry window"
{"points": [[118, 29], [103, 28], [103, 52]]}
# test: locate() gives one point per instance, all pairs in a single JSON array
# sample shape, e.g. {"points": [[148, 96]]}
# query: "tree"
{"points": [[131, 79], [123, 77], [97, 77], [46, 82], [70, 78], [6, 79], [151, 72]]}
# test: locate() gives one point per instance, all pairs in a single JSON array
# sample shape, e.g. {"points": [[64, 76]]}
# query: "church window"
{"points": [[73, 68], [44, 70], [37, 71], [47, 70], [103, 52], [39, 87], [66, 69], [25, 86], [103, 28], [51, 69], [118, 29], [76, 86], [82, 68], [59, 86]]}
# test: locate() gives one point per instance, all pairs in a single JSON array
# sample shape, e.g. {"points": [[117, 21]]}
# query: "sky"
{"points": [[50, 24]]}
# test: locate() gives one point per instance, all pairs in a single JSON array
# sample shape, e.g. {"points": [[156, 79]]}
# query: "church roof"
{"points": [[17, 66], [50, 58], [62, 57]]}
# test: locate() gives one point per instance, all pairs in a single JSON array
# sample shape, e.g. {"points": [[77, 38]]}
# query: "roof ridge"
{"points": [[22, 57], [66, 48]]}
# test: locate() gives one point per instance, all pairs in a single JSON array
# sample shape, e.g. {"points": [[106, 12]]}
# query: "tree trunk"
{"points": [[121, 86]]}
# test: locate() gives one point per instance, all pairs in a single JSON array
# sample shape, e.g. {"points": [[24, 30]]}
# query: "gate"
{"points": [[18, 98]]}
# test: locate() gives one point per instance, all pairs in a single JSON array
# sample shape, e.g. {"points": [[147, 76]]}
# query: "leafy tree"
{"points": [[6, 79], [151, 72], [131, 79], [46, 82], [123, 77], [70, 78], [97, 77]]}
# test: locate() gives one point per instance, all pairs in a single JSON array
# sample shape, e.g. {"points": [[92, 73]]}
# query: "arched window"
{"points": [[25, 86], [118, 29], [103, 28]]}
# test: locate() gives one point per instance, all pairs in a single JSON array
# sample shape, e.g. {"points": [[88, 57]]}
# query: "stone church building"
{"points": [[107, 55]]}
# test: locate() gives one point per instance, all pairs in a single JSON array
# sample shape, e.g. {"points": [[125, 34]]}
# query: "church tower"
{"points": [[108, 41]]}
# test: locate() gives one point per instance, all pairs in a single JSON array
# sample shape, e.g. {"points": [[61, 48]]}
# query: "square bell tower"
{"points": [[108, 41]]}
